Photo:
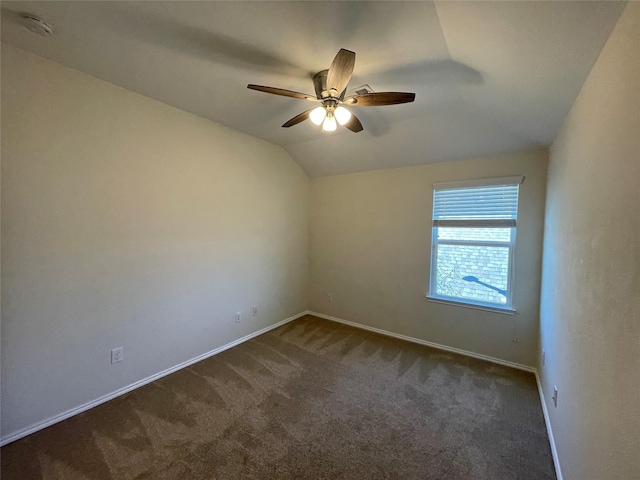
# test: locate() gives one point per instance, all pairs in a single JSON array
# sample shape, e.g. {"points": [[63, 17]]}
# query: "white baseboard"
{"points": [[466, 353], [547, 421], [105, 398], [82, 408]]}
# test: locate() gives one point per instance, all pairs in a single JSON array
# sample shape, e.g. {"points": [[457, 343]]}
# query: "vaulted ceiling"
{"points": [[489, 77]]}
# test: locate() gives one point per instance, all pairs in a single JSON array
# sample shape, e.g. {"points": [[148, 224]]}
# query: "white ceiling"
{"points": [[489, 77]]}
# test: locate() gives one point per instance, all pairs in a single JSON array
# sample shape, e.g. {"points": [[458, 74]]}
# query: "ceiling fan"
{"points": [[330, 86]]}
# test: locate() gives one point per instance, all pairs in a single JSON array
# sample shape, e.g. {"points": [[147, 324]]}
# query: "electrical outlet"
{"points": [[255, 310], [238, 317], [544, 357], [330, 297], [117, 355], [555, 396]]}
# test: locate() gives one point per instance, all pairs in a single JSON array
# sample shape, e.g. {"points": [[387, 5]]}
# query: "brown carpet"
{"points": [[312, 399]]}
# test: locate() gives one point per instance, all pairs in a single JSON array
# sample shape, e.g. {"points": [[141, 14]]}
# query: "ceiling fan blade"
{"points": [[354, 124], [283, 92], [298, 119], [377, 99], [340, 72]]}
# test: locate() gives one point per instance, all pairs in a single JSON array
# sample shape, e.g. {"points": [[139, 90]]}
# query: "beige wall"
{"points": [[370, 240], [126, 222], [590, 310]]}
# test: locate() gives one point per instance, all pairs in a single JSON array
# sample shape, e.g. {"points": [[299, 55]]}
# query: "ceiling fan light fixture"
{"points": [[342, 115], [331, 86], [329, 124], [317, 115]]}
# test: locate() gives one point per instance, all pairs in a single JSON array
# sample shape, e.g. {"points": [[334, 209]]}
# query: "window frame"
{"points": [[508, 306]]}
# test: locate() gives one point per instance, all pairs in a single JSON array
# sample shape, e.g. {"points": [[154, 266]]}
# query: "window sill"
{"points": [[475, 306]]}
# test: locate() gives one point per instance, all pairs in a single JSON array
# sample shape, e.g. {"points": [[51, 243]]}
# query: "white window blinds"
{"points": [[484, 205]]}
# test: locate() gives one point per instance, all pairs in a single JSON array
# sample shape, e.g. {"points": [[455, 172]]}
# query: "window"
{"points": [[473, 238]]}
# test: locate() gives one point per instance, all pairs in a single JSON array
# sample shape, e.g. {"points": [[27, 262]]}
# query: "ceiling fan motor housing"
{"points": [[320, 85]]}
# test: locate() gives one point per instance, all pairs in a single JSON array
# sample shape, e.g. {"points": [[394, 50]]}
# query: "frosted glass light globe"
{"points": [[342, 115], [317, 115], [329, 124]]}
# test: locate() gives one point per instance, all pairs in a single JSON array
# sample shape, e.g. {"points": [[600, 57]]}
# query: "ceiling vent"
{"points": [[37, 26], [363, 89]]}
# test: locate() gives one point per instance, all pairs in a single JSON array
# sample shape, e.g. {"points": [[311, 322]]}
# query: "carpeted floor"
{"points": [[312, 399]]}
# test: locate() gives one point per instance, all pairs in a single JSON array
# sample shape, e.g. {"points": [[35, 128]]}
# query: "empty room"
{"points": [[320, 240]]}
